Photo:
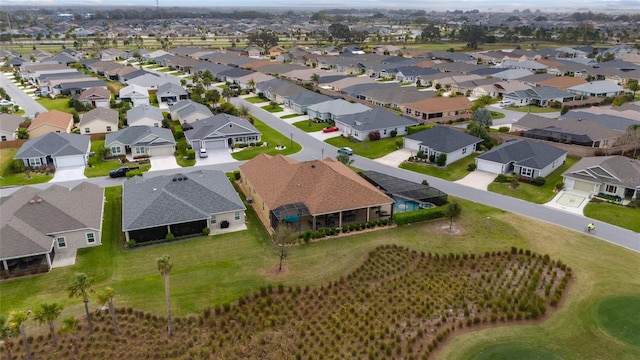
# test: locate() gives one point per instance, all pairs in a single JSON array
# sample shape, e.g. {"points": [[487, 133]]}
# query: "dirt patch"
{"points": [[443, 228], [275, 270]]}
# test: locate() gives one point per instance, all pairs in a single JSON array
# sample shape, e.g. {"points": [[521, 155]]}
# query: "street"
{"points": [[30, 106]]}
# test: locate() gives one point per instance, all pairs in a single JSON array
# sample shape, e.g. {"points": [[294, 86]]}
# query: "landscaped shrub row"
{"points": [[252, 144], [308, 235], [419, 215]]}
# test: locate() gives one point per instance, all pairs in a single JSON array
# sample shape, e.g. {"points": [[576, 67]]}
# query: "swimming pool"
{"points": [[404, 204]]}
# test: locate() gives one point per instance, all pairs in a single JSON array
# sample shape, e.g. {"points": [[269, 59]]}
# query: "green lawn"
{"points": [[181, 143], [61, 104], [7, 178], [290, 116], [532, 109], [256, 100], [272, 109], [533, 193], [368, 149], [451, 172], [618, 215], [496, 115], [310, 126], [515, 351], [97, 167], [272, 137], [619, 317]]}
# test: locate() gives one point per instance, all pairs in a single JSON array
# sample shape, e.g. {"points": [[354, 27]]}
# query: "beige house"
{"points": [[99, 120], [50, 121]]}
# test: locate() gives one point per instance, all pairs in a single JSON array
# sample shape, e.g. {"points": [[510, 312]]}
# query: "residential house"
{"points": [[255, 52], [438, 108], [438, 140], [99, 120], [142, 115], [222, 131], [277, 90], [9, 125], [310, 194], [333, 109], [75, 88], [276, 51], [414, 74], [382, 121], [141, 141], [609, 175], [96, 97], [305, 98], [113, 54], [523, 157], [181, 204], [58, 149], [135, 94], [37, 226], [171, 91], [151, 82], [50, 121], [602, 88], [188, 111], [540, 96]]}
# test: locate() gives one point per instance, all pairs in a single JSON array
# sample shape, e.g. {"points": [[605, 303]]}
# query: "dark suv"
{"points": [[119, 172]]}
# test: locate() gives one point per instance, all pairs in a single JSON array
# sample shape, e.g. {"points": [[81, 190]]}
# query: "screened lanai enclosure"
{"points": [[408, 195]]}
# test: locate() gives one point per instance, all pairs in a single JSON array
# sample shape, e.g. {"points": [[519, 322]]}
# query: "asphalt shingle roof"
{"points": [[444, 139], [140, 135], [54, 144], [375, 119], [532, 154]]}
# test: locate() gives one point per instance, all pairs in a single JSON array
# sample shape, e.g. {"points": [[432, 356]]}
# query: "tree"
{"points": [[453, 212], [340, 32], [6, 333], [441, 160], [315, 78], [251, 84], [106, 297], [22, 133], [69, 325], [431, 32], [263, 38], [634, 86], [284, 235], [16, 321], [243, 111], [473, 35], [48, 313], [633, 132], [483, 117], [345, 159], [227, 93], [164, 267], [80, 288]]}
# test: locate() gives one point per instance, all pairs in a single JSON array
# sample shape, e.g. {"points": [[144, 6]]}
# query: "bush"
{"points": [[131, 243], [501, 178], [503, 129], [393, 133], [17, 166], [191, 154], [169, 236], [206, 231], [539, 181], [419, 215], [441, 160], [236, 175], [432, 158], [471, 167], [374, 135]]}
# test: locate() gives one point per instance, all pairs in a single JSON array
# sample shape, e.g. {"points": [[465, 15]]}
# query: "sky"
{"points": [[487, 5]]}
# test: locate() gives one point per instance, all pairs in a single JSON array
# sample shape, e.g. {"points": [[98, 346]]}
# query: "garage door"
{"points": [[583, 186], [214, 144], [69, 161], [489, 166], [161, 151]]}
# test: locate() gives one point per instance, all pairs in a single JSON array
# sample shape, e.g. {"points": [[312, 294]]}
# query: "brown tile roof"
{"points": [[54, 117], [440, 103], [563, 82], [95, 92], [324, 186], [550, 63]]}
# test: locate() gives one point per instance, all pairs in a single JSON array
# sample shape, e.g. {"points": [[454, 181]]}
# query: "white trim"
{"points": [[86, 236], [64, 240]]}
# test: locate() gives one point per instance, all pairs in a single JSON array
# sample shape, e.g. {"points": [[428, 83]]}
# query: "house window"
{"points": [[611, 189], [91, 238], [464, 150], [108, 128], [62, 242], [115, 149], [35, 162], [3, 138], [86, 130], [385, 132], [213, 219], [236, 215], [155, 124], [139, 150], [528, 172], [408, 111]]}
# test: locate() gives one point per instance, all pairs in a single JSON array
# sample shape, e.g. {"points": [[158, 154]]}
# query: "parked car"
{"points": [[504, 103], [170, 102], [203, 153], [345, 150], [5, 102], [119, 172], [329, 129]]}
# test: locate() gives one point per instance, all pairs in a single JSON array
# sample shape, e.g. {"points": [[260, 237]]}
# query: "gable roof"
{"points": [[171, 88], [597, 87], [172, 199], [55, 118], [105, 114], [95, 93], [133, 90], [617, 170], [54, 144], [10, 123], [308, 98], [444, 139], [338, 107], [193, 107], [141, 136], [219, 126], [143, 111], [26, 227], [440, 104], [375, 119], [527, 153], [323, 186]]}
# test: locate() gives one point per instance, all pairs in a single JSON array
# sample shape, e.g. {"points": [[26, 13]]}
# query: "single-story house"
{"points": [[38, 225], [602, 88], [58, 149], [525, 158], [438, 108], [171, 91], [135, 94], [50, 121], [188, 111], [540, 96], [610, 175], [180, 204], [9, 125], [385, 122], [96, 96], [333, 109], [144, 114], [222, 131], [300, 101], [141, 141], [310, 194], [99, 120], [443, 140]]}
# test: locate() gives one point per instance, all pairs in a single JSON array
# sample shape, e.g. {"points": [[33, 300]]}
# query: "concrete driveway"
{"points": [[220, 156], [395, 158], [570, 201], [322, 136], [69, 174], [477, 179], [163, 163]]}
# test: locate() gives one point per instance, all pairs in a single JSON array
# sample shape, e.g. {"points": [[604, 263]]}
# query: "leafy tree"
{"points": [[243, 111], [283, 236], [483, 117], [315, 78], [340, 32], [16, 321], [69, 325], [22, 133], [431, 32], [81, 288], [634, 86], [263, 38], [164, 267], [48, 313], [345, 159], [441, 160], [106, 297], [473, 35], [453, 212]]}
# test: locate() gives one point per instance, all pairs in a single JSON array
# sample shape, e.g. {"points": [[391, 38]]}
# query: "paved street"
{"points": [[30, 106]]}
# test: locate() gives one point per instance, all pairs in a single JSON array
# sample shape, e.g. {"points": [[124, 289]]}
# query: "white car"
{"points": [[504, 103], [6, 103], [203, 153]]}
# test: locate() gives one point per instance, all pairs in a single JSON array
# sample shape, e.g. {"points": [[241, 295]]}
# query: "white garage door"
{"points": [[214, 144], [583, 186], [69, 161], [489, 166], [161, 151], [412, 144]]}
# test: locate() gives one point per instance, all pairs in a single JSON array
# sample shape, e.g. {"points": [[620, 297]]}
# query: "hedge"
{"points": [[404, 218]]}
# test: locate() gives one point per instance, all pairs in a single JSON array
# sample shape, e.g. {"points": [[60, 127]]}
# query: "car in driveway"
{"points": [[345, 150], [121, 171], [203, 153], [329, 129], [5, 102], [170, 102]]}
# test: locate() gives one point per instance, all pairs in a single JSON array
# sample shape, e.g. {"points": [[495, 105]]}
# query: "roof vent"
{"points": [[39, 200], [32, 201], [313, 166], [179, 179], [174, 179], [185, 178], [154, 189]]}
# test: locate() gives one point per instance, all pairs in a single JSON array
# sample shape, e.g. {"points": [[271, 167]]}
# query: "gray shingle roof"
{"points": [[308, 98], [141, 136], [157, 201], [444, 139], [101, 113], [54, 144], [220, 126], [10, 123], [171, 88], [376, 119], [142, 111], [623, 171], [532, 154]]}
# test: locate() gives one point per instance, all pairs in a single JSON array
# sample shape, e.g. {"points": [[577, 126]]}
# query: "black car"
{"points": [[119, 172]]}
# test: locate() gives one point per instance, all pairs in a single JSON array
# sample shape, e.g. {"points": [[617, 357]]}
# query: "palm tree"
{"points": [[315, 78], [80, 288], [22, 133], [251, 84], [6, 333], [106, 297], [47, 313], [16, 322], [226, 93], [69, 327], [164, 267]]}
